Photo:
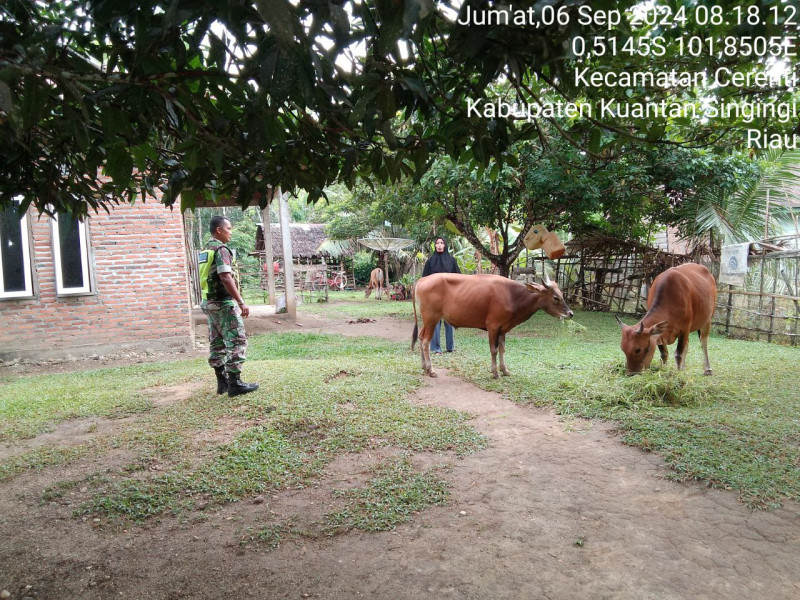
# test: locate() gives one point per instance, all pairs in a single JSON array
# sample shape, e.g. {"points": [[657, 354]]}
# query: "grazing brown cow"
{"points": [[489, 302], [375, 283], [681, 300]]}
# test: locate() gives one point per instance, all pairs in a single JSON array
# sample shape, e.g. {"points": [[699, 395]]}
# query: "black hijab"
{"points": [[441, 262]]}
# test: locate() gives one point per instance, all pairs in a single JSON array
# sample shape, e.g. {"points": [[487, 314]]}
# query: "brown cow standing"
{"points": [[681, 300], [375, 282], [489, 302]]}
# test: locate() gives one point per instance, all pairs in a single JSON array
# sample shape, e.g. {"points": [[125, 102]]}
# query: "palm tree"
{"points": [[758, 206]]}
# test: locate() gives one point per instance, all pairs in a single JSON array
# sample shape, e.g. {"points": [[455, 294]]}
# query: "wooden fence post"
{"points": [[796, 306], [728, 316], [761, 302]]}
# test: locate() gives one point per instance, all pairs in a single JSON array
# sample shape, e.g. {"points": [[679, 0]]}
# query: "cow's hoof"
{"points": [[495, 374], [708, 372], [432, 374], [506, 373]]}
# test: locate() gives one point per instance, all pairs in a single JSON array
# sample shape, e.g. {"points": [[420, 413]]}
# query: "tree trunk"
{"points": [[494, 246]]}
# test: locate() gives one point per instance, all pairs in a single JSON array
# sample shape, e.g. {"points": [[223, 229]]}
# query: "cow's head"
{"points": [[639, 344], [551, 300], [540, 237]]}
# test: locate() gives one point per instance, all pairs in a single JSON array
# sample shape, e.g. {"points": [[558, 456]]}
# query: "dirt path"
{"points": [[552, 509]]}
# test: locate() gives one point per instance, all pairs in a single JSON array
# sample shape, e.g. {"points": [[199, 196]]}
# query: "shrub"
{"points": [[363, 263]]}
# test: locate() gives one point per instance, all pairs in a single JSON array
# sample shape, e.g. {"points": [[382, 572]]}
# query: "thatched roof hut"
{"points": [[306, 241]]}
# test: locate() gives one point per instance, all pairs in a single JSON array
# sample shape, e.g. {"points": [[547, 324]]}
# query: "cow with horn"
{"points": [[681, 300], [489, 302]]}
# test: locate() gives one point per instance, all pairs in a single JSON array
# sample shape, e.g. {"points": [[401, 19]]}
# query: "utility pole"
{"points": [[268, 257], [288, 266]]}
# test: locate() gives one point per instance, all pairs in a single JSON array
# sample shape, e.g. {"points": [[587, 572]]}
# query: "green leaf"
{"points": [[141, 154], [34, 102], [6, 101], [119, 165], [115, 122], [595, 139]]}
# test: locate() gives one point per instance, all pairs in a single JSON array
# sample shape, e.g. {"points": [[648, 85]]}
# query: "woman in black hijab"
{"points": [[441, 262]]}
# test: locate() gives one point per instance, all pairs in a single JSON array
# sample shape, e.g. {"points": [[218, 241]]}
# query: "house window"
{"points": [[15, 254], [71, 254]]}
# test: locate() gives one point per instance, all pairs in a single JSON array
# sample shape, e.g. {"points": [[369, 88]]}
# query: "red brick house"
{"points": [[117, 281]]}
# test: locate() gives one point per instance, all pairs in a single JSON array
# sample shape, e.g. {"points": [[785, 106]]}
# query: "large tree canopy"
{"points": [[227, 97], [553, 183]]}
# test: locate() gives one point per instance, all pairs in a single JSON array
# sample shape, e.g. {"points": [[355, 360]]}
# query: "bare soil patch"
{"points": [[87, 363], [553, 509]]}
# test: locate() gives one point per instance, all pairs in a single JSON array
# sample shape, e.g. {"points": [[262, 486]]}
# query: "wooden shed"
{"points": [[306, 241]]}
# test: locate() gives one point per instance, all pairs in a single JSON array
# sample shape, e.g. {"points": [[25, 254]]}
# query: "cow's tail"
{"points": [[416, 328]]}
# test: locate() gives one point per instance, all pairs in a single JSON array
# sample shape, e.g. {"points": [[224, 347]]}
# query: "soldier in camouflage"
{"points": [[224, 307]]}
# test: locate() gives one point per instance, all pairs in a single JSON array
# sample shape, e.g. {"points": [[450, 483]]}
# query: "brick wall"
{"points": [[139, 299]]}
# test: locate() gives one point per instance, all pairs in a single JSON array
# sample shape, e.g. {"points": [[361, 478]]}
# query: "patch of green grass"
{"points": [[154, 436], [35, 404], [56, 492], [312, 346], [348, 305], [258, 460], [391, 498], [270, 536], [41, 458], [759, 462], [328, 399]]}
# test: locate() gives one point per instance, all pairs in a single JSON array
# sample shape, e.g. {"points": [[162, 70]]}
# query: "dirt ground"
{"points": [[552, 509]]}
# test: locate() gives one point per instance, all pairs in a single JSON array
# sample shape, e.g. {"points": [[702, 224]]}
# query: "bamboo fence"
{"points": [[612, 276]]}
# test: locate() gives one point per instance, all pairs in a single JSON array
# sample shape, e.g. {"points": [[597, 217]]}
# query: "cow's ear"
{"points": [[658, 328], [535, 287]]}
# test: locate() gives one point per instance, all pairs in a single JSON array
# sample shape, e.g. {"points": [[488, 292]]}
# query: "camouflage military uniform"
{"points": [[226, 335]]}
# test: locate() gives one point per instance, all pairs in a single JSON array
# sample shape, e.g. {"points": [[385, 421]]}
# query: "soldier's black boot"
{"points": [[222, 380], [237, 387]]}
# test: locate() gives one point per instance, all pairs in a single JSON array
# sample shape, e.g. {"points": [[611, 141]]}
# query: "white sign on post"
{"points": [[733, 264]]}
